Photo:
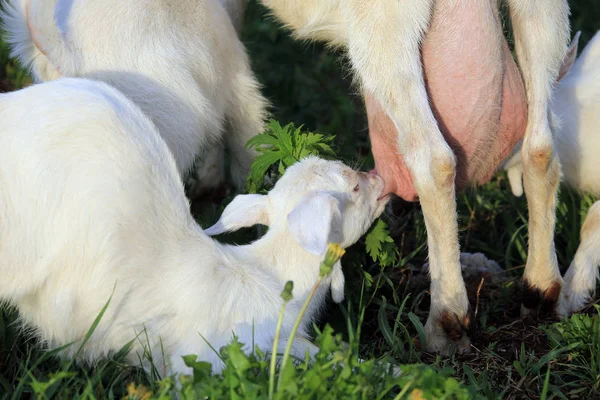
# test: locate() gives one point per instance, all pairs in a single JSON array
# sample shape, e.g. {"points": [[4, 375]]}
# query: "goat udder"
{"points": [[476, 94]]}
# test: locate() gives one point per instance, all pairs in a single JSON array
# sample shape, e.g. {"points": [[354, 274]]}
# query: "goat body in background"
{"points": [[92, 206], [180, 61]]}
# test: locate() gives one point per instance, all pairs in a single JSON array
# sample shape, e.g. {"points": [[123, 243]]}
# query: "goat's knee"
{"points": [[444, 170], [434, 175], [539, 157], [541, 163]]}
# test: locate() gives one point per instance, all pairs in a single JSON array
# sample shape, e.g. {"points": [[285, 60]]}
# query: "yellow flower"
{"points": [[417, 394], [334, 253], [137, 393]]}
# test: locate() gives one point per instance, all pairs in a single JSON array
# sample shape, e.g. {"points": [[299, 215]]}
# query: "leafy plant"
{"points": [[581, 335], [380, 245], [336, 372], [283, 146]]}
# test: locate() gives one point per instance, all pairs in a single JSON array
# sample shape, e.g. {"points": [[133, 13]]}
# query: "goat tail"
{"points": [[34, 36]]}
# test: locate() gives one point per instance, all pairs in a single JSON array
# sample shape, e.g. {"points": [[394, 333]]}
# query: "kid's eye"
{"points": [[357, 188]]}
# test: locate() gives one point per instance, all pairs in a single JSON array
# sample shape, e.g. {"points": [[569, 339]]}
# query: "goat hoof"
{"points": [[447, 333], [538, 302]]}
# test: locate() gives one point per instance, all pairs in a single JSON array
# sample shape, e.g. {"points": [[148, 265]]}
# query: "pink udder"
{"points": [[475, 91]]}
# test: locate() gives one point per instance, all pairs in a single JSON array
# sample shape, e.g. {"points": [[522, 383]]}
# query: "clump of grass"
{"points": [[577, 371]]}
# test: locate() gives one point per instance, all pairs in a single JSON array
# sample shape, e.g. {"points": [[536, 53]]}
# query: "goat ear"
{"points": [[570, 58], [311, 221], [245, 210]]}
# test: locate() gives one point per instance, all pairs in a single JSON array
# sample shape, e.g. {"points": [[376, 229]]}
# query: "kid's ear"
{"points": [[244, 211], [311, 221]]}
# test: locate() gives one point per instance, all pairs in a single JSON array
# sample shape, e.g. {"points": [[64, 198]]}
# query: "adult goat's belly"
{"points": [[475, 91]]}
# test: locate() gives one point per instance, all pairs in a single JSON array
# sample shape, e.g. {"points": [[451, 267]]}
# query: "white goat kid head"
{"points": [[317, 201]]}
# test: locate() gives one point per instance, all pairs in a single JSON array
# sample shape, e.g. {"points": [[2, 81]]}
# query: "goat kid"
{"points": [[92, 206], [446, 104], [575, 118], [180, 61]]}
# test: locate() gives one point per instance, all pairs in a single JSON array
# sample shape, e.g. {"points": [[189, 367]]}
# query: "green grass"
{"points": [[387, 295]]}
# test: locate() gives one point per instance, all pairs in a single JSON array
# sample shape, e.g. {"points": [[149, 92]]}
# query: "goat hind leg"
{"points": [[541, 31], [245, 119], [390, 69], [208, 180]]}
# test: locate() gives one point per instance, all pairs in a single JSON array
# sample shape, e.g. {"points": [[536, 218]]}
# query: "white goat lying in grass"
{"points": [[576, 120], [181, 62], [92, 206]]}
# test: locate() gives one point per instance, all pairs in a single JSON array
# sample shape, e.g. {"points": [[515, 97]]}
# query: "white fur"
{"points": [[92, 205], [180, 61], [383, 41]]}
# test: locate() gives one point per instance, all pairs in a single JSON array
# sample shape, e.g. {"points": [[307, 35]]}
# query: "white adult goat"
{"points": [[181, 62], [576, 120], [92, 205], [446, 104]]}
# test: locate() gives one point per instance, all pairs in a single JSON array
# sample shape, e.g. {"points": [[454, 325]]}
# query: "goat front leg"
{"points": [[384, 46], [541, 31]]}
